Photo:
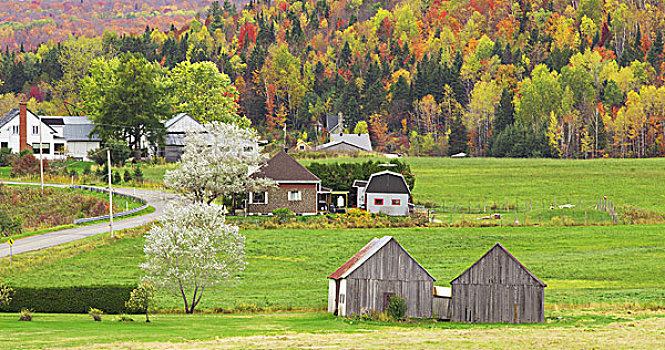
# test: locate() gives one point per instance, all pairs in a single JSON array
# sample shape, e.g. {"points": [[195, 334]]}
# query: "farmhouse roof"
{"points": [[176, 118], [505, 251], [14, 112], [387, 182], [365, 254], [359, 140], [282, 167]]}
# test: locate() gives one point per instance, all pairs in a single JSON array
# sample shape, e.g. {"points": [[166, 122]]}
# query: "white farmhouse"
{"points": [[60, 136], [386, 192]]}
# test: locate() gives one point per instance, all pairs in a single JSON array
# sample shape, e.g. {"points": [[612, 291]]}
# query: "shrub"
{"points": [[26, 165], [116, 177], [6, 294], [5, 154], [283, 213], [25, 315], [396, 307], [141, 299], [96, 314], [138, 174], [86, 170], [127, 177], [69, 299], [123, 318]]}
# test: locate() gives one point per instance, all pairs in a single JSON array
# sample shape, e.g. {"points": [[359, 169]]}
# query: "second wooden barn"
{"points": [[498, 289], [380, 269]]}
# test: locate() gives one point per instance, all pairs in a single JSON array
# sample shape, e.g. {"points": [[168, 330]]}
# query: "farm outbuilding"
{"points": [[498, 289], [381, 269]]}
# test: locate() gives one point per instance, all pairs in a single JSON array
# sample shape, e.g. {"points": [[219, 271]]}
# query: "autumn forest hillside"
{"points": [[546, 78]]}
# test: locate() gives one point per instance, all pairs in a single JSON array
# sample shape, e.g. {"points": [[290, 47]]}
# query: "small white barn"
{"points": [[387, 193]]}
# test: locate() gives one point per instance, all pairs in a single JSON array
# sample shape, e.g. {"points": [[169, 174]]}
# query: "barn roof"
{"points": [[358, 140], [282, 167], [364, 254], [387, 182], [502, 248]]}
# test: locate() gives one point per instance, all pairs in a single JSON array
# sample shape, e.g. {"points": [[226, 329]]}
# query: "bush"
{"points": [[86, 170], [396, 307], [5, 154], [69, 299], [26, 165], [96, 314], [127, 177], [6, 294], [120, 152], [138, 175], [116, 177], [123, 318], [25, 315], [283, 213]]}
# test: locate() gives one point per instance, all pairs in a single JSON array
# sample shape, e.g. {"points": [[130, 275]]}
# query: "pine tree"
{"points": [[459, 138], [654, 55]]}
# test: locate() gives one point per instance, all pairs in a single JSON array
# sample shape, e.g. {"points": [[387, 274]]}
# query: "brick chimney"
{"points": [[23, 125]]}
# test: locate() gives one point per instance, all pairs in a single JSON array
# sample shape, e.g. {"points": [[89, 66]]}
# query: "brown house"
{"points": [[297, 188]]}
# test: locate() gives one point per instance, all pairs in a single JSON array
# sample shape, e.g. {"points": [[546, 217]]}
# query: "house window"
{"points": [[258, 198], [378, 201], [59, 148], [395, 202], [35, 129], [295, 195], [15, 129], [4, 145], [46, 147]]}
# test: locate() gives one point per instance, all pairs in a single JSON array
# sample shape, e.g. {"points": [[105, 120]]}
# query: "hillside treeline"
{"points": [[552, 78]]}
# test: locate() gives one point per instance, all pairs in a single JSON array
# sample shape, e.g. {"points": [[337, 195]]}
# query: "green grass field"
{"points": [[603, 265], [307, 330], [447, 181]]}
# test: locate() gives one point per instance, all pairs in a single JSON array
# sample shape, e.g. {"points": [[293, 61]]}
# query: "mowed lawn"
{"points": [[566, 329], [450, 181], [601, 265]]}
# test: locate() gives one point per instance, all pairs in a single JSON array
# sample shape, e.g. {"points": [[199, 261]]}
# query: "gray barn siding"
{"points": [[497, 289], [390, 270]]}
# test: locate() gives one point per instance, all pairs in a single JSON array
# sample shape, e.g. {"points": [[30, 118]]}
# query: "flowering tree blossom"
{"points": [[218, 163], [191, 249]]}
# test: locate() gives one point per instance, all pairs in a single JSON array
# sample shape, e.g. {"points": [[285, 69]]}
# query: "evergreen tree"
{"points": [[655, 53], [503, 116], [459, 138]]}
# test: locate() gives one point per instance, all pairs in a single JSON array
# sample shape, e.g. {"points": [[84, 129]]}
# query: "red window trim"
{"points": [[395, 202], [378, 201]]}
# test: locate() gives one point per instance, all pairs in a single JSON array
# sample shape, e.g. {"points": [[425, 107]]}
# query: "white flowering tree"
{"points": [[218, 163], [192, 249]]}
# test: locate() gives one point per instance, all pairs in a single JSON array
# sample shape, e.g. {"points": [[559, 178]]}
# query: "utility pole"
{"points": [[41, 155], [108, 156]]}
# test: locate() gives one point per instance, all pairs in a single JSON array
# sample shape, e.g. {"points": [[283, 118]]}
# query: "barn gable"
{"points": [[387, 182], [383, 259], [498, 266]]}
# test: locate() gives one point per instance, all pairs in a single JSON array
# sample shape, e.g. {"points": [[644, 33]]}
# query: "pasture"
{"points": [[599, 266]]}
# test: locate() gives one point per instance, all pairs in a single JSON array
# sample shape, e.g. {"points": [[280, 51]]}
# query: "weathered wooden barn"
{"points": [[497, 289], [380, 269]]}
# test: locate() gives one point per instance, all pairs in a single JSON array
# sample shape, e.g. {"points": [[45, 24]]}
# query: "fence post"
{"points": [[585, 218], [564, 218], [484, 207], [539, 218]]}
